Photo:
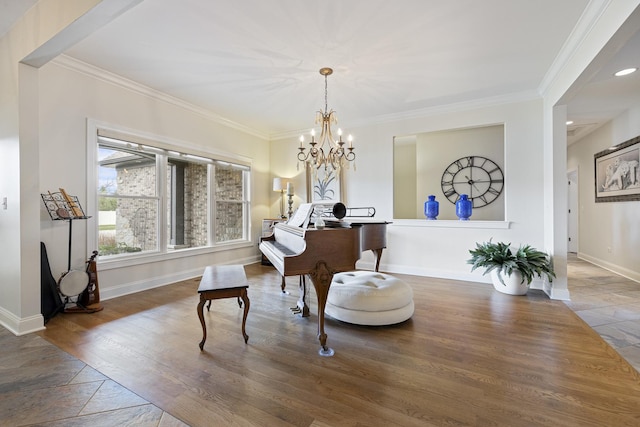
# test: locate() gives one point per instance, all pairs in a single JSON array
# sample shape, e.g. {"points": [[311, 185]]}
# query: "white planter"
{"points": [[513, 284]]}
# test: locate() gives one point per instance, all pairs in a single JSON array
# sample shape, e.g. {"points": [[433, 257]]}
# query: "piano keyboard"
{"points": [[280, 247]]}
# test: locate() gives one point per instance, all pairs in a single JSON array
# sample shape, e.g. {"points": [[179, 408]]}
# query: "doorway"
{"points": [[572, 213]]}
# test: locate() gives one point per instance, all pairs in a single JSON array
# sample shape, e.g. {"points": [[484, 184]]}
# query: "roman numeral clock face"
{"points": [[478, 177]]}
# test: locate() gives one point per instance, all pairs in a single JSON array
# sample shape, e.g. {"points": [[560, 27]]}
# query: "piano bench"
{"points": [[223, 281], [369, 298]]}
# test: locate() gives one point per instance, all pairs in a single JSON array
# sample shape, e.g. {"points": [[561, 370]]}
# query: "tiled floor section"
{"points": [[610, 304], [41, 385]]}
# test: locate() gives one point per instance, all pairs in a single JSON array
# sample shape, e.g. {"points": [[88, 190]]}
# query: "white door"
{"points": [[572, 214]]}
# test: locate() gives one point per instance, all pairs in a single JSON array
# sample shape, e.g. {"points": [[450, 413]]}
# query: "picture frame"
{"points": [[617, 172], [324, 184]]}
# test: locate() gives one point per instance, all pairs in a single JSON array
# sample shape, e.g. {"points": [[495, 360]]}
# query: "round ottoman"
{"points": [[369, 298]]}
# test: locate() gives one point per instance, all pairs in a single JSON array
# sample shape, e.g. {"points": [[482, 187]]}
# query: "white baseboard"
{"points": [[143, 285], [624, 272], [21, 326], [156, 282], [559, 294], [553, 293], [430, 272]]}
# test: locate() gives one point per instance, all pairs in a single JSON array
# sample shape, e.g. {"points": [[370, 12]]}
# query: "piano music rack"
{"points": [[325, 209], [370, 212]]}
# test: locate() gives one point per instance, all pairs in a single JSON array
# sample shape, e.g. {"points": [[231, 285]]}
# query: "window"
{"points": [[152, 199]]}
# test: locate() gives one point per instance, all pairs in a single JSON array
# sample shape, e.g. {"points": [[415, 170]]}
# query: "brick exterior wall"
{"points": [[195, 201], [228, 204], [136, 219]]}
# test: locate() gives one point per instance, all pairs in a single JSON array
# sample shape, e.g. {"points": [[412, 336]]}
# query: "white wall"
{"points": [[609, 233], [35, 38], [405, 203], [441, 251], [67, 99]]}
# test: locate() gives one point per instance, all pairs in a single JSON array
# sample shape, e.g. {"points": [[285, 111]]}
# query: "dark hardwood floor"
{"points": [[469, 356]]}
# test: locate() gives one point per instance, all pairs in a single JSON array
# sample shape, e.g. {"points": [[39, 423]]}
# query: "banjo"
{"points": [[84, 286], [73, 282]]}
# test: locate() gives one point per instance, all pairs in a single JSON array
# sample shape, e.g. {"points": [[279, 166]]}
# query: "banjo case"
{"points": [[50, 301]]}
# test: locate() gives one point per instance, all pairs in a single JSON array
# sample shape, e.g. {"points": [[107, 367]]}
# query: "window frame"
{"points": [[96, 129]]}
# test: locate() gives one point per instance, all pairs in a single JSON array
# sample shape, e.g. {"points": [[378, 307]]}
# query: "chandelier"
{"points": [[326, 151]]}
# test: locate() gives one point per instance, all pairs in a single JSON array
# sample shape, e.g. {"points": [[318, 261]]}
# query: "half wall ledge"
{"points": [[451, 224]]}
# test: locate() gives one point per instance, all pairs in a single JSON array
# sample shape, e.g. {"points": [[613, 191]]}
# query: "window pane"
{"points": [[229, 183], [130, 227], [187, 191], [126, 172], [229, 195], [128, 206], [229, 223]]}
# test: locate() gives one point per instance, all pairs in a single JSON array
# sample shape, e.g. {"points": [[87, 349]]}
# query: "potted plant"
{"points": [[511, 270]]}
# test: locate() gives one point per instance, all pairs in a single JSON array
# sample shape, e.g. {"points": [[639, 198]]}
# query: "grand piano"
{"points": [[298, 248]]}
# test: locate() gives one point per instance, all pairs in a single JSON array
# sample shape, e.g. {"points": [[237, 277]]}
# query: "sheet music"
{"points": [[300, 215]]}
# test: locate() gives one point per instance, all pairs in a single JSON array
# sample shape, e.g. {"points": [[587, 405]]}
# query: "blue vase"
{"points": [[431, 208], [463, 207]]}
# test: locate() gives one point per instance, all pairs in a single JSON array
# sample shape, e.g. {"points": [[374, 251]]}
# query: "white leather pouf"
{"points": [[369, 298]]}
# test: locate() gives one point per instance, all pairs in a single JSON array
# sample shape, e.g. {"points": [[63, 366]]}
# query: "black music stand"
{"points": [[63, 209]]}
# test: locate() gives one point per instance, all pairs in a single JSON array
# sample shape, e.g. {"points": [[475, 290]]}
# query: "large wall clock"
{"points": [[478, 177]]}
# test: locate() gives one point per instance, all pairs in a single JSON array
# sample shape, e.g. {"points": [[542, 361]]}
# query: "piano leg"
{"points": [[321, 278], [283, 285], [378, 254]]}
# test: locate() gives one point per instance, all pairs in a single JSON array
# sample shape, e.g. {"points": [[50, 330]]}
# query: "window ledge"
{"points": [[149, 257], [451, 224]]}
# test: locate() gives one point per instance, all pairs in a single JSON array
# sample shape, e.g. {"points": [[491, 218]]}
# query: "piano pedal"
{"points": [[296, 310]]}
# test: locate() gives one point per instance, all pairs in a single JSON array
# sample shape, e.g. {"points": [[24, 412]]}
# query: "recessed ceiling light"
{"points": [[569, 122], [625, 72]]}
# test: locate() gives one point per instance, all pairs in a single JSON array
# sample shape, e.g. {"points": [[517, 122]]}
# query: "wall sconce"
{"points": [[277, 186]]}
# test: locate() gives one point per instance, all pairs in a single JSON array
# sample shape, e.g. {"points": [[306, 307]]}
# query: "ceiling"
{"points": [[256, 62], [11, 10]]}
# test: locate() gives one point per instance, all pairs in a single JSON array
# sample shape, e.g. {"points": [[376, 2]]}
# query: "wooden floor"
{"points": [[469, 356]]}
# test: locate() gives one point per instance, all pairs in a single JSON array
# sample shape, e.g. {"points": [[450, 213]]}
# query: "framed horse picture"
{"points": [[617, 175]]}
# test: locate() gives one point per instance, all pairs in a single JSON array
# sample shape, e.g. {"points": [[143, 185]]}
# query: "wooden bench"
{"points": [[223, 281]]}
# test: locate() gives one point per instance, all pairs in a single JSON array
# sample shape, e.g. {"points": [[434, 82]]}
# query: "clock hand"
{"points": [[472, 182], [479, 181]]}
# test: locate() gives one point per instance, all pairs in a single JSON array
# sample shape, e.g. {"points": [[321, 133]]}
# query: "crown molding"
{"points": [[590, 16], [457, 107], [114, 79]]}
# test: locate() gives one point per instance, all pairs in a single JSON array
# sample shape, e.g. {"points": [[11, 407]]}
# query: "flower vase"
{"points": [[464, 207], [431, 208]]}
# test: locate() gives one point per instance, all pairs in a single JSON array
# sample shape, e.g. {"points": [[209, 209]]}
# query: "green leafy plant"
{"points": [[499, 256], [116, 248]]}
